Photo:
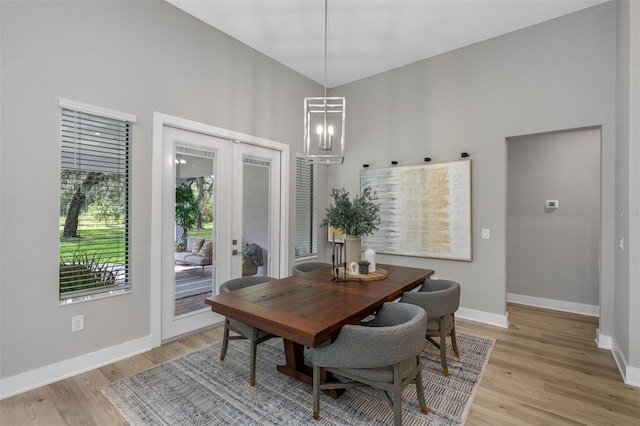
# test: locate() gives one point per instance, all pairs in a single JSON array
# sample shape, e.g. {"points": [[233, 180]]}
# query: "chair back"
{"points": [[395, 335], [308, 267], [399, 331], [384, 354], [238, 283], [437, 297]]}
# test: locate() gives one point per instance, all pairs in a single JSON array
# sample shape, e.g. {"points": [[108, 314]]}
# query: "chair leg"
{"points": [[225, 340], [252, 367], [316, 392], [420, 389], [443, 347], [454, 344], [397, 395]]}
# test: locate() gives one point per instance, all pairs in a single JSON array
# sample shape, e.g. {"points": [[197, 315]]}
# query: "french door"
{"points": [[236, 189]]}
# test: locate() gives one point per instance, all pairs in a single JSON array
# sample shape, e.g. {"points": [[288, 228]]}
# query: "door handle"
{"points": [[234, 252]]}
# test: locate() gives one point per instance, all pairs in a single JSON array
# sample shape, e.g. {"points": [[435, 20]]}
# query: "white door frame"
{"points": [[159, 167]]}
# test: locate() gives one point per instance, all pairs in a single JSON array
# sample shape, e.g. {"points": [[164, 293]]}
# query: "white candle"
{"points": [[370, 255]]}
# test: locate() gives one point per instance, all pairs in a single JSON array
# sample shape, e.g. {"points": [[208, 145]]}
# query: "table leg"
{"points": [[295, 367]]}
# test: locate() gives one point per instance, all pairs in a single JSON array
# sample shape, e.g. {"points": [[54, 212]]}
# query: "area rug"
{"points": [[199, 389]]}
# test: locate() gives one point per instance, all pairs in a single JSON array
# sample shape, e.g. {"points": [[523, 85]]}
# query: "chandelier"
{"points": [[324, 121]]}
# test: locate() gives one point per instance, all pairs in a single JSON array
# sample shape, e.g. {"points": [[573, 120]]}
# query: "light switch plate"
{"points": [[486, 233]]}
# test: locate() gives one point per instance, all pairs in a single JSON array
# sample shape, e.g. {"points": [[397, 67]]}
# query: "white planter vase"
{"points": [[352, 249]]}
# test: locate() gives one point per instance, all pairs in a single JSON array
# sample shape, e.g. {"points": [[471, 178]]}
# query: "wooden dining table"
{"points": [[309, 309]]}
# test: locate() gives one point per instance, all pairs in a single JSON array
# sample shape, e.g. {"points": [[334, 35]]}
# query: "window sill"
{"points": [[89, 297]]}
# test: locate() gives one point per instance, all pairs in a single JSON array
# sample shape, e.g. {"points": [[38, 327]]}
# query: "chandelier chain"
{"points": [[326, 8]]}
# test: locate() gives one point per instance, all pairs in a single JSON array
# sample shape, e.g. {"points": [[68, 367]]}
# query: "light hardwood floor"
{"points": [[545, 369]]}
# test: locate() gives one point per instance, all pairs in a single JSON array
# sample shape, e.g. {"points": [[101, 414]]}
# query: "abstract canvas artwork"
{"points": [[425, 210]]}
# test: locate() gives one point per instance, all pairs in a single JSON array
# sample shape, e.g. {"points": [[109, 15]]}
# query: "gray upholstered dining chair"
{"points": [[441, 299], [244, 331], [384, 354], [307, 267]]}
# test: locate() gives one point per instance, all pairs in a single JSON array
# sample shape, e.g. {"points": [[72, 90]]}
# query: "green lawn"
{"points": [[207, 232], [107, 241]]}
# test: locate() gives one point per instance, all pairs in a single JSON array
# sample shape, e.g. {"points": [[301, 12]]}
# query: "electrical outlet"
{"points": [[77, 323]]}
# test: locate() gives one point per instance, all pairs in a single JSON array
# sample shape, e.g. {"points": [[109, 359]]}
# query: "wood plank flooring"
{"points": [[545, 369]]}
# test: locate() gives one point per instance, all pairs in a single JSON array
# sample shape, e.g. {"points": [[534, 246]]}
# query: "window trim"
{"points": [[90, 109]]}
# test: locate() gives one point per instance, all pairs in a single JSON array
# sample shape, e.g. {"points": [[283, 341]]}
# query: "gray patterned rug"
{"points": [[199, 389]]}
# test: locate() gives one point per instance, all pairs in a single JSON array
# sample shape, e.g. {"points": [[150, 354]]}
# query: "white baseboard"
{"points": [[33, 379], [556, 305], [602, 340], [483, 317], [630, 375], [632, 378]]}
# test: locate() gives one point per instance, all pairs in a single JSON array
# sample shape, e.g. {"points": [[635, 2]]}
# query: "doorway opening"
{"points": [[553, 220]]}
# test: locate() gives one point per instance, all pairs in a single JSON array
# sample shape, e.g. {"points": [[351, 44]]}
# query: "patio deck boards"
{"points": [[192, 287]]}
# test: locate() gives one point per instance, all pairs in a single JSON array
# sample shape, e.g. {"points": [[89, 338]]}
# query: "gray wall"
{"points": [[553, 76], [625, 213], [554, 253], [133, 56]]}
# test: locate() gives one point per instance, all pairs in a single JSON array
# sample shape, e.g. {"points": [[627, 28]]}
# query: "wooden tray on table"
{"points": [[379, 274]]}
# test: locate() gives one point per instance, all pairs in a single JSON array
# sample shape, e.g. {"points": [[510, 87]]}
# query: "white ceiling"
{"points": [[367, 37]]}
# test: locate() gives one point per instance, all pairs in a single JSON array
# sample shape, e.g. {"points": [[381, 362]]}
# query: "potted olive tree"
{"points": [[354, 218]]}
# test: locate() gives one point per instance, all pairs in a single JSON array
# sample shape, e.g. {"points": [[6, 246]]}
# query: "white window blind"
{"points": [[306, 209], [94, 204]]}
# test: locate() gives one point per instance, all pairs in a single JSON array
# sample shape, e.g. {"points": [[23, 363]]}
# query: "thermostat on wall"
{"points": [[551, 204]]}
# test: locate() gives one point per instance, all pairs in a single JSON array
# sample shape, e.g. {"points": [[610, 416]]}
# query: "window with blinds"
{"points": [[306, 209], [94, 205]]}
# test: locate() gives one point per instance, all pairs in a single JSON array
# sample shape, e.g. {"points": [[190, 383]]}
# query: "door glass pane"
{"points": [[195, 228], [255, 216]]}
